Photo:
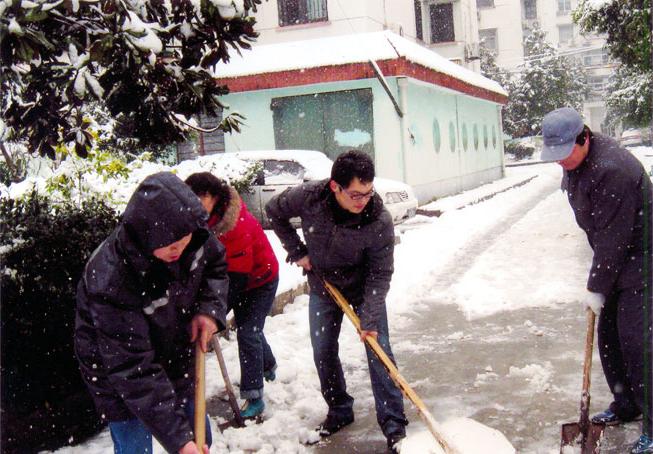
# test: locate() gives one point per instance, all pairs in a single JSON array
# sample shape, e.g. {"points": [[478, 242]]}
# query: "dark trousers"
{"points": [[624, 338], [250, 309], [325, 319]]}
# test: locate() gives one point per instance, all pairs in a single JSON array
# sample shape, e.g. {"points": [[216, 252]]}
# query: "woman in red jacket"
{"points": [[253, 279]]}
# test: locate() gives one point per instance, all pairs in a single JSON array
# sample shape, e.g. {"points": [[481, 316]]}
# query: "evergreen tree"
{"points": [[627, 27], [146, 62], [545, 81], [630, 97]]}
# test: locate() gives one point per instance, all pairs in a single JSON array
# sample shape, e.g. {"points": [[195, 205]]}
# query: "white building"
{"points": [[448, 27], [503, 23]]}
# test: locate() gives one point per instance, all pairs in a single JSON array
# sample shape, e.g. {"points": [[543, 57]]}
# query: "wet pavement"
{"points": [[463, 368], [518, 371]]}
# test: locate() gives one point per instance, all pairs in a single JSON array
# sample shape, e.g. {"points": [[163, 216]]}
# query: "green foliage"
{"points": [[626, 25], [68, 182], [546, 81], [245, 182], [147, 64], [630, 98], [43, 249]]}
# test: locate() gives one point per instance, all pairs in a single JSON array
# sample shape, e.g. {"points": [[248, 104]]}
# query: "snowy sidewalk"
{"points": [[485, 324]]}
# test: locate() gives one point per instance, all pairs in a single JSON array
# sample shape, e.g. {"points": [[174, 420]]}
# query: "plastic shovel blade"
{"points": [[572, 442]]}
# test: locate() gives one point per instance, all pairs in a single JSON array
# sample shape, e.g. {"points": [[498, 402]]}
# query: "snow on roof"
{"points": [[345, 49]]}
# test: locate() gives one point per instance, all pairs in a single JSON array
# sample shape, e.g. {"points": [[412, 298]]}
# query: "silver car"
{"points": [[282, 169]]}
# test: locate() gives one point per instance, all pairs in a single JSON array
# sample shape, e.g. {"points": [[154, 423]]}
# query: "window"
{"points": [[597, 83], [595, 57], [565, 33], [485, 136], [564, 7], [294, 12], [475, 134], [441, 21], [488, 38], [330, 122], [485, 3], [494, 137], [436, 135], [465, 137], [530, 9], [418, 20], [452, 137]]}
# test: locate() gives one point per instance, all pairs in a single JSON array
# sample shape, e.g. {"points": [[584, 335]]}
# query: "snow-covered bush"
{"points": [[43, 249], [520, 148]]}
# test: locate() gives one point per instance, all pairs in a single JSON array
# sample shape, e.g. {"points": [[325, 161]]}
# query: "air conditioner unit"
{"points": [[472, 51]]}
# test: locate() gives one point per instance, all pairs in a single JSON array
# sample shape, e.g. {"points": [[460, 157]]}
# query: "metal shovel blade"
{"points": [[573, 442]]}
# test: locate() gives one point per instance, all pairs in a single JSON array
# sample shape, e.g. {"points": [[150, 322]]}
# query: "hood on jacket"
{"points": [[231, 214], [162, 210]]}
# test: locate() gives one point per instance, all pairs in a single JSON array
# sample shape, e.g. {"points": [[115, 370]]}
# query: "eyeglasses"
{"points": [[358, 195]]}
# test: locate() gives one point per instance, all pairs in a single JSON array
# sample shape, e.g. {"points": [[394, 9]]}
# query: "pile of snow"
{"points": [[465, 435], [537, 375]]}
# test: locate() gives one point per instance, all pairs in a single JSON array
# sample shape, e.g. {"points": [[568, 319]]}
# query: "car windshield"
{"points": [[282, 172]]}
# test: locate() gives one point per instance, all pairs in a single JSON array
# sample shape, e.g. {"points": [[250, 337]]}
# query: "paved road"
{"points": [[463, 368]]}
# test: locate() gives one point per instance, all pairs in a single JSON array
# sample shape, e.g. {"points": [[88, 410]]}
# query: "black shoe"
{"points": [[394, 442], [333, 424]]}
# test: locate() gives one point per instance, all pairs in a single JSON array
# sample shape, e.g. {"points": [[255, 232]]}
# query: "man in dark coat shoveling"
{"points": [[610, 194], [349, 240], [156, 285]]}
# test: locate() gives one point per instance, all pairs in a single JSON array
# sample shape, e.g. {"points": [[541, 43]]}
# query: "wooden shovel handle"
{"points": [[200, 400], [587, 369], [396, 377]]}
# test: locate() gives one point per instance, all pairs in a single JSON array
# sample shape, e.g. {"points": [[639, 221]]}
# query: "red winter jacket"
{"points": [[248, 249]]}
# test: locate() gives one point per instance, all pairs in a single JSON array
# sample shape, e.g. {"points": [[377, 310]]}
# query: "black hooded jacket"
{"points": [[352, 252], [611, 195], [134, 311]]}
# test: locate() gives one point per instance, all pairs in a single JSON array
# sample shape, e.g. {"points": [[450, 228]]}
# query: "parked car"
{"points": [[282, 169], [631, 137]]}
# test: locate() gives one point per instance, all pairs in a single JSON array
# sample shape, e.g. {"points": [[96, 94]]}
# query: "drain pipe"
{"points": [[402, 83]]}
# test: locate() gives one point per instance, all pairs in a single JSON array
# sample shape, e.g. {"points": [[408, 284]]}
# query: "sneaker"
{"points": [[643, 446], [269, 375], [609, 418], [395, 441], [332, 425], [252, 408]]}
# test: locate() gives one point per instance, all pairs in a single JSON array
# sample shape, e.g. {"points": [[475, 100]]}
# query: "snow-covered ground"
{"points": [[528, 253]]}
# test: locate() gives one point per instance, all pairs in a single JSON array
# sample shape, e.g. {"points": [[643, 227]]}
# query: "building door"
{"points": [[330, 122]]}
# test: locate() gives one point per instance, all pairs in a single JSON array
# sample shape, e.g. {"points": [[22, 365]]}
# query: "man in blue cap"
{"points": [[610, 194]]}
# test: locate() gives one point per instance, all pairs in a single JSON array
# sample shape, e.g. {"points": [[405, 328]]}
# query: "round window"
{"points": [[494, 137], [465, 137], [452, 137], [485, 136], [436, 135], [475, 137]]}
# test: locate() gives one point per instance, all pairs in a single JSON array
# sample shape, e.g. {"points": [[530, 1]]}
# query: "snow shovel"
{"points": [[200, 401], [233, 403], [584, 433], [396, 377]]}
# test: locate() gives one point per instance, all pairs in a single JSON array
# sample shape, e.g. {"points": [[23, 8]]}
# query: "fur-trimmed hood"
{"points": [[231, 214]]}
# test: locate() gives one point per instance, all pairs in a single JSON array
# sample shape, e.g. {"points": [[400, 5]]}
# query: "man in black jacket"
{"points": [[610, 194], [349, 241], [157, 284]]}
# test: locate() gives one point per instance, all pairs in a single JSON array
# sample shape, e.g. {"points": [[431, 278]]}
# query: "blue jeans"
{"points": [[250, 309], [132, 437], [325, 319]]}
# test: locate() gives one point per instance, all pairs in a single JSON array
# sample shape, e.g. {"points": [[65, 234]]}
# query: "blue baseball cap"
{"points": [[559, 130]]}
